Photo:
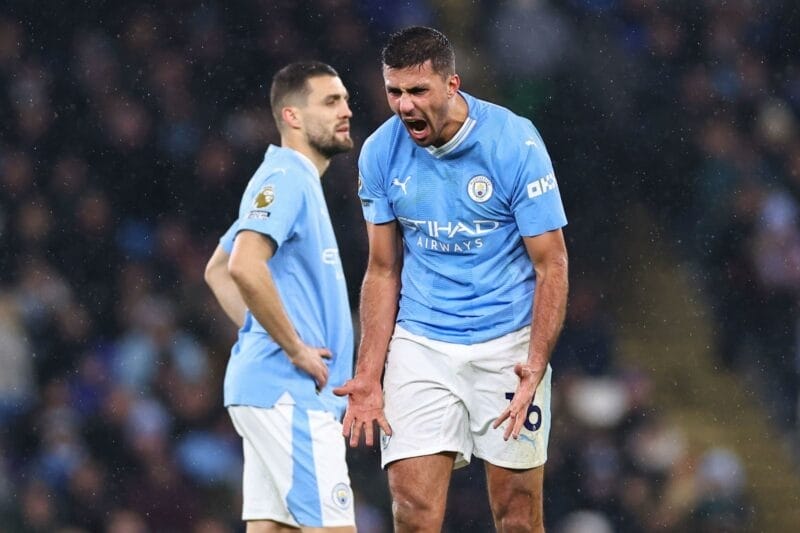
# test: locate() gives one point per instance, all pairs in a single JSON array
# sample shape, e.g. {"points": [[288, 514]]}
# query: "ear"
{"points": [[453, 84], [291, 117]]}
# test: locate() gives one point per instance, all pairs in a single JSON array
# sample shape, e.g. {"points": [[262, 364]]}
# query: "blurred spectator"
{"points": [[17, 385]]}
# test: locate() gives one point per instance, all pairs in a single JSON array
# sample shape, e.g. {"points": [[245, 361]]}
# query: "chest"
{"points": [[428, 189]]}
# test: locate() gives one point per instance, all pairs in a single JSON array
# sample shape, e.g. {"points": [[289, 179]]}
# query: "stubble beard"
{"points": [[329, 145]]}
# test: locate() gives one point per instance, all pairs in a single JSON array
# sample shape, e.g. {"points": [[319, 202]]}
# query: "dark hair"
{"points": [[415, 45], [290, 83]]}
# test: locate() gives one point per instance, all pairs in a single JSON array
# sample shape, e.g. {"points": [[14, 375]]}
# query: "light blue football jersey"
{"points": [[284, 200], [463, 208]]}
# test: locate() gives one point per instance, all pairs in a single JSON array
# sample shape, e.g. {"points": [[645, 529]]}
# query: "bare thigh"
{"points": [[269, 526], [419, 491], [515, 497]]}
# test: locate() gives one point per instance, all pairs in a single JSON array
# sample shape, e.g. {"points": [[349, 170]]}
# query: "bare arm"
{"points": [[548, 252], [248, 269], [380, 292], [222, 285]]}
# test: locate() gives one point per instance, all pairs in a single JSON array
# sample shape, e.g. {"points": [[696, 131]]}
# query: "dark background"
{"points": [[129, 130]]}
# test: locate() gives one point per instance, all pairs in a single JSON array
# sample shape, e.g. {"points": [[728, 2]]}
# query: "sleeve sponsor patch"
{"points": [[542, 185], [264, 198], [258, 215]]}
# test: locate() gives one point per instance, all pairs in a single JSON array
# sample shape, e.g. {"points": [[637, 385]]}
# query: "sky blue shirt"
{"points": [[284, 201], [463, 209]]}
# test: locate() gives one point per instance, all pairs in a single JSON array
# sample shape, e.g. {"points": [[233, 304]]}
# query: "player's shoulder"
{"points": [[508, 135], [500, 122], [285, 165], [384, 138]]}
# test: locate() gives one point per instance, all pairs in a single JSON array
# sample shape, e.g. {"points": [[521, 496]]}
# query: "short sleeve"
{"points": [[272, 205], [226, 241], [536, 201], [372, 185]]}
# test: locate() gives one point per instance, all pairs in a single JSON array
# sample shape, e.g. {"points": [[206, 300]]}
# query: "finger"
{"points": [[502, 418], [384, 425], [326, 353], [510, 426], [322, 380], [518, 423], [346, 423], [344, 390], [355, 435], [369, 434], [319, 379]]}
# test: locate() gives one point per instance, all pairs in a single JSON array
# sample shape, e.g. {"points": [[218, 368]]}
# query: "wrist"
{"points": [[294, 348], [536, 367]]}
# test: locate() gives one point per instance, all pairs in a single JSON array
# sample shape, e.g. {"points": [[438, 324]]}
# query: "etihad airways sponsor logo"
{"points": [[451, 228]]}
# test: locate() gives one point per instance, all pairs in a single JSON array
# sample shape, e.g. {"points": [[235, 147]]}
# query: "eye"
{"points": [[392, 91]]}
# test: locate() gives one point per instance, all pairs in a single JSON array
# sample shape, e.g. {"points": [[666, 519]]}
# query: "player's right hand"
{"points": [[364, 408], [310, 360]]}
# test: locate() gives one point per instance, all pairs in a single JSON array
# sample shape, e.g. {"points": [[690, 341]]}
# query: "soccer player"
{"points": [[278, 275], [464, 293]]}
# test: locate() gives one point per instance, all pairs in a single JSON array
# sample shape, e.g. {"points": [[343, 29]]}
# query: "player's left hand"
{"points": [[517, 410]]}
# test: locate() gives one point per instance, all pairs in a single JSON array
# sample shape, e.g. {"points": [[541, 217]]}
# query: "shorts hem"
{"points": [[514, 465], [465, 458], [332, 523], [254, 515]]}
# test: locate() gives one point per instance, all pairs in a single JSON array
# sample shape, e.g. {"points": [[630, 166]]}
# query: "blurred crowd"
{"points": [[128, 133]]}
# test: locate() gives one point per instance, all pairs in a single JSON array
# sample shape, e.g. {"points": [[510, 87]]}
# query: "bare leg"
{"points": [[419, 492], [515, 497], [270, 526]]}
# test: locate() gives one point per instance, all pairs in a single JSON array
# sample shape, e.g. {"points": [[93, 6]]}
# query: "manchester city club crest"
{"points": [[342, 495], [264, 197], [480, 188]]}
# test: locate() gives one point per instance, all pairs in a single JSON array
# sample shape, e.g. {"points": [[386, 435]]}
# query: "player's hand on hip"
{"points": [[364, 408], [517, 411], [310, 360]]}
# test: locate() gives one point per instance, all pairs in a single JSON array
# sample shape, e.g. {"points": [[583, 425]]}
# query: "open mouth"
{"points": [[418, 128]]}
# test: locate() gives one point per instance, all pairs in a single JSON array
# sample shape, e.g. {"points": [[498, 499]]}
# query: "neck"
{"points": [[456, 117], [319, 160]]}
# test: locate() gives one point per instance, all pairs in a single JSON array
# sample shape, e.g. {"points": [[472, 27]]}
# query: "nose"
{"points": [[346, 112], [404, 104]]}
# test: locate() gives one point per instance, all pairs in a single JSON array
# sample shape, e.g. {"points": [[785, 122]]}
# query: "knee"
{"points": [[412, 512], [518, 515], [517, 522]]}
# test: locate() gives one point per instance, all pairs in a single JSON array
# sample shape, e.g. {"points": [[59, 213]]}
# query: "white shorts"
{"points": [[444, 397], [294, 466]]}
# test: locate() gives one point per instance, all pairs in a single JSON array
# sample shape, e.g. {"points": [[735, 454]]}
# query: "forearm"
{"points": [[223, 287], [549, 308], [261, 296], [380, 293], [227, 294]]}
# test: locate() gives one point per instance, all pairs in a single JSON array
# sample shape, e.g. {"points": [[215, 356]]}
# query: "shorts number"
{"points": [[530, 426]]}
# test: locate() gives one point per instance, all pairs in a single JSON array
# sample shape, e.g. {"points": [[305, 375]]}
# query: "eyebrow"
{"points": [[418, 87], [336, 96]]}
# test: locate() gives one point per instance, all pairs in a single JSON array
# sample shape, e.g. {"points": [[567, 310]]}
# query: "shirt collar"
{"points": [[304, 160], [458, 138]]}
